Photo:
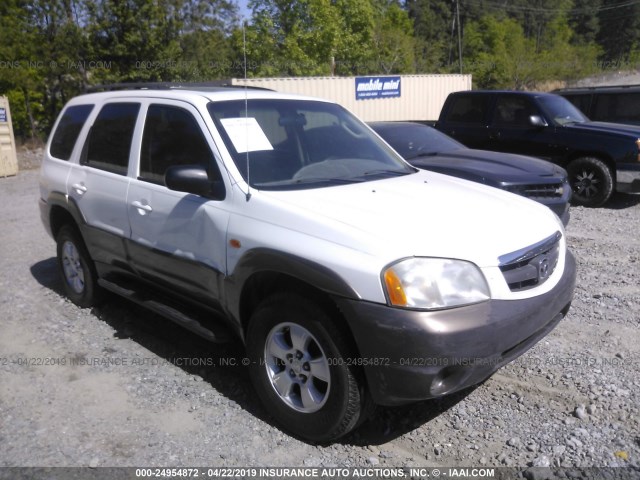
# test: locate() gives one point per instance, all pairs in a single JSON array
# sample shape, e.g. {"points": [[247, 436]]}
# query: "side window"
{"points": [[468, 109], [621, 107], [171, 137], [512, 111], [68, 130], [109, 141]]}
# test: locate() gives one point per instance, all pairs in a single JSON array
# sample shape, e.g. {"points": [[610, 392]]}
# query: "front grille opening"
{"points": [[531, 266], [550, 190]]}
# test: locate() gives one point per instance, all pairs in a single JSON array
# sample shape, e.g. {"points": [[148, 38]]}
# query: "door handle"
{"points": [[79, 188], [143, 209]]}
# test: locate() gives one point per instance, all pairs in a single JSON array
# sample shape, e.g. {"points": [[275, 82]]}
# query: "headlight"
{"points": [[432, 283]]}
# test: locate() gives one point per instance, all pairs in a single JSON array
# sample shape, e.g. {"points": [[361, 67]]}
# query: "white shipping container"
{"points": [[421, 96]]}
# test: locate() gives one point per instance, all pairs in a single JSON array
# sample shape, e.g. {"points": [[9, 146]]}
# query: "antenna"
{"points": [[246, 109]]}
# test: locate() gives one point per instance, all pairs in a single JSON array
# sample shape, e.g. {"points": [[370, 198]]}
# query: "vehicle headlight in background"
{"points": [[433, 283]]}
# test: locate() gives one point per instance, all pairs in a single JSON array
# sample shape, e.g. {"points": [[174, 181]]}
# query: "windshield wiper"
{"points": [[395, 173], [341, 180]]}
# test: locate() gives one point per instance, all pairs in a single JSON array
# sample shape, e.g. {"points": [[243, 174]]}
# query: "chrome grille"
{"points": [[531, 266]]}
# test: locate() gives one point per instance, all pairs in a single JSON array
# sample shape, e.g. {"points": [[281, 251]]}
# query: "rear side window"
{"points": [[68, 130], [468, 109], [109, 141], [620, 107], [171, 137]]}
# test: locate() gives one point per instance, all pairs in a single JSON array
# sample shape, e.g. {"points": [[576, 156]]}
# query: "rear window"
{"points": [[65, 136], [468, 109]]}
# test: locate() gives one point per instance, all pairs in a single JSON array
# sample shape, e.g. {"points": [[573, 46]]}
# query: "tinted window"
{"points": [[468, 109], [171, 137], [109, 142], [513, 111], [621, 107], [294, 144], [68, 130]]}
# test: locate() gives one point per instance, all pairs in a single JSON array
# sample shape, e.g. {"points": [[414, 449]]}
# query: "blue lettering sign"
{"points": [[377, 87]]}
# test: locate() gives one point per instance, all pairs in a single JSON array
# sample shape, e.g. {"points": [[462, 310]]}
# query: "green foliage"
{"points": [[433, 36], [393, 41], [499, 54], [52, 49], [619, 33]]}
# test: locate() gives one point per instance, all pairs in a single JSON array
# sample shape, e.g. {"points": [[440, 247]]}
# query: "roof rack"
{"points": [[202, 86]]}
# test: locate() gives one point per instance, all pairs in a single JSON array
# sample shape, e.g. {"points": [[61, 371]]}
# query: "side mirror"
{"points": [[537, 121], [193, 179]]}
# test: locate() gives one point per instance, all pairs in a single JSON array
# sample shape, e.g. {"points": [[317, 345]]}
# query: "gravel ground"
{"points": [[118, 386]]}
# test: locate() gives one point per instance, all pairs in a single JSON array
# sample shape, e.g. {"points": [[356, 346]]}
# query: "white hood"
{"points": [[424, 214]]}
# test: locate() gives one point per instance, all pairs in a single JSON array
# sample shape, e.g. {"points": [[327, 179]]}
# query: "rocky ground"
{"points": [[118, 386]]}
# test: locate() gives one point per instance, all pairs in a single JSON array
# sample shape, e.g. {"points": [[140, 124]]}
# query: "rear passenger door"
{"points": [[177, 239], [98, 184]]}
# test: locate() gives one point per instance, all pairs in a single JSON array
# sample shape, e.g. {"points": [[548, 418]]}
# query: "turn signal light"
{"points": [[394, 288]]}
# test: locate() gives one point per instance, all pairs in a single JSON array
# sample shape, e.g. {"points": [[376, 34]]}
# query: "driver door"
{"points": [[177, 239], [511, 130]]}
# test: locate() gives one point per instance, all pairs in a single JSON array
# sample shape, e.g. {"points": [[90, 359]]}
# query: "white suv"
{"points": [[352, 278]]}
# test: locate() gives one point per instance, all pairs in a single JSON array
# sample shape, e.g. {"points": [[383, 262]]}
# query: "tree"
{"points": [[307, 37], [584, 21], [434, 35], [393, 41], [619, 33], [498, 54]]}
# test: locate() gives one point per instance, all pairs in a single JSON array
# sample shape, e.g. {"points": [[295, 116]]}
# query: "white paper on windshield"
{"points": [[245, 134]]}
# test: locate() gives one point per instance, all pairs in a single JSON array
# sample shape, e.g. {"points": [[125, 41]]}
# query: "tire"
{"points": [[299, 367], [77, 271], [591, 182]]}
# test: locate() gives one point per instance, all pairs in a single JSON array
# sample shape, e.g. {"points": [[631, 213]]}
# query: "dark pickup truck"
{"points": [[599, 157]]}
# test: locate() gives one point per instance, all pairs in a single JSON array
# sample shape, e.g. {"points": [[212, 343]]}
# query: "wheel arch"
{"points": [[265, 272], [603, 157], [62, 212]]}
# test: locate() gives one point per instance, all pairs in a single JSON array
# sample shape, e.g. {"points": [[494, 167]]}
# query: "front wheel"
{"points": [[302, 369], [591, 181]]}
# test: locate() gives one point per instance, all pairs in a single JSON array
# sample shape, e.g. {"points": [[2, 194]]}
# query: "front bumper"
{"points": [[560, 208], [414, 355], [628, 178]]}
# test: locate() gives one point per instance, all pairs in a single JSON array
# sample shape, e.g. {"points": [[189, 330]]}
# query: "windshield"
{"points": [[293, 144], [561, 110], [414, 140]]}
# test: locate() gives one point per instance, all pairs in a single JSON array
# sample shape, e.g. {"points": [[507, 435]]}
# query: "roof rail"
{"points": [[203, 86], [597, 87]]}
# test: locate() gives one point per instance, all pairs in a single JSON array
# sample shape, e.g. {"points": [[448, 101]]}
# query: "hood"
{"points": [[423, 214], [492, 166], [627, 130]]}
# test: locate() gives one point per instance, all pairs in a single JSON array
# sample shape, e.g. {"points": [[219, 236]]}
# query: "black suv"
{"points": [[618, 104], [599, 157]]}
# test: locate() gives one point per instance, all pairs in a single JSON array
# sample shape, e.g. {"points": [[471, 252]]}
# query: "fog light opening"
{"points": [[448, 380]]}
